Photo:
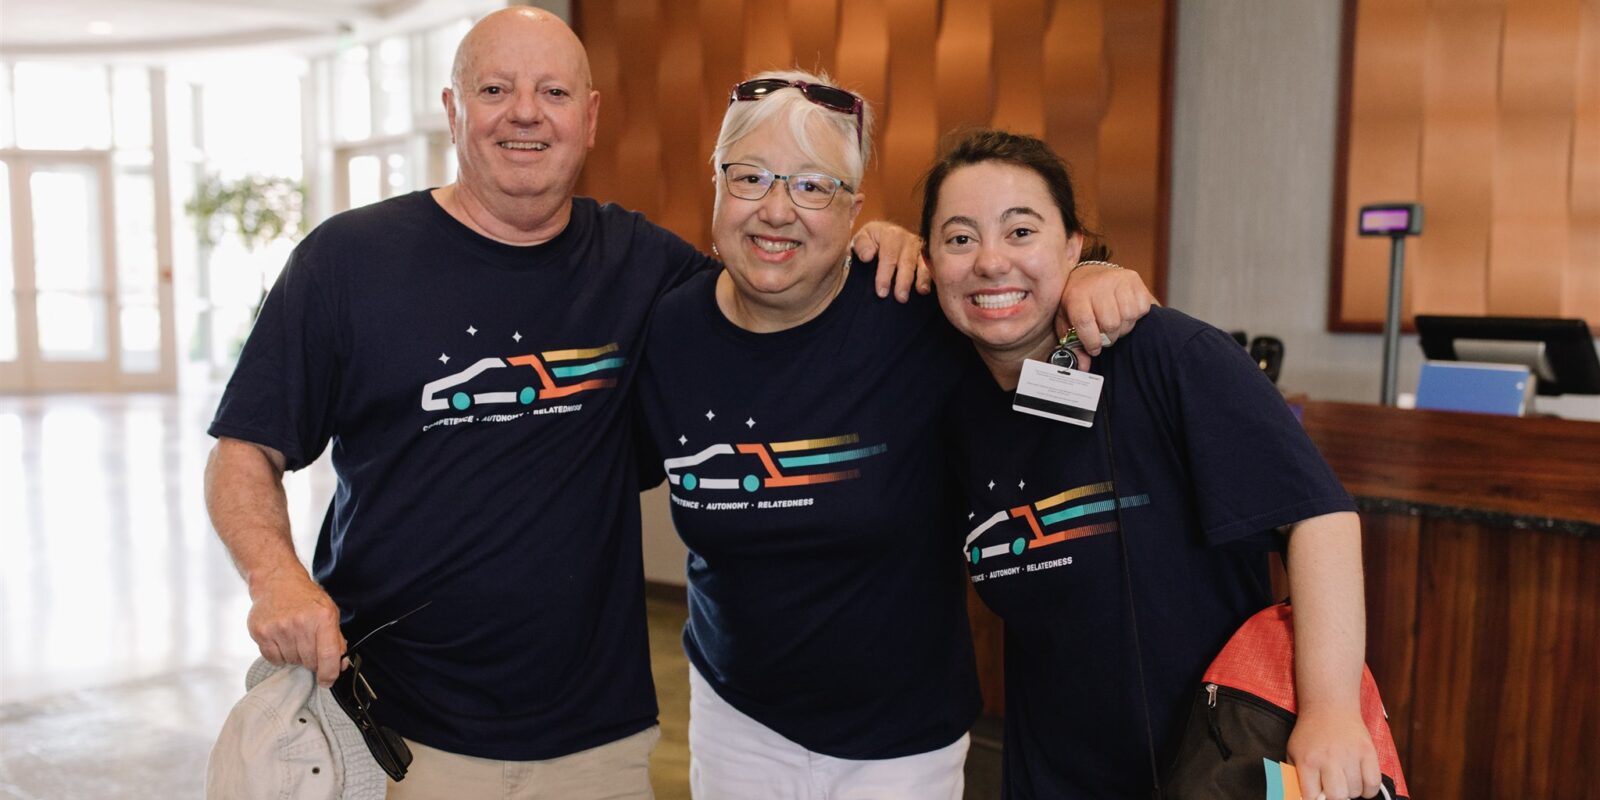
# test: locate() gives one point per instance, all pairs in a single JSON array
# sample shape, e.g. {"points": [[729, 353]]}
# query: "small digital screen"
{"points": [[1386, 220]]}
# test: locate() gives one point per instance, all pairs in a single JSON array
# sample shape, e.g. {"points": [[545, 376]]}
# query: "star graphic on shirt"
{"points": [[991, 485], [1022, 484], [970, 515], [710, 415], [471, 331], [444, 359], [750, 423], [683, 439], [516, 337]]}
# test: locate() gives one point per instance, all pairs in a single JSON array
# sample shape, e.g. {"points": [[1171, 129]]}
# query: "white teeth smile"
{"points": [[525, 145], [769, 246], [998, 300]]}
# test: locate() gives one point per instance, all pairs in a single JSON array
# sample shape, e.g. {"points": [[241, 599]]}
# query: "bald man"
{"points": [[469, 352]]}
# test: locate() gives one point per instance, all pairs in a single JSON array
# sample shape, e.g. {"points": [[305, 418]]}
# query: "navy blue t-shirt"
{"points": [[476, 397], [1209, 462], [809, 478]]}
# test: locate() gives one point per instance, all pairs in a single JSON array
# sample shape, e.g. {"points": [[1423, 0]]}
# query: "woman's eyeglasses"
{"points": [[808, 190], [355, 696], [830, 97]]}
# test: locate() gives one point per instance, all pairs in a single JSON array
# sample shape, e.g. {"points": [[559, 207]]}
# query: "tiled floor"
{"points": [[122, 639]]}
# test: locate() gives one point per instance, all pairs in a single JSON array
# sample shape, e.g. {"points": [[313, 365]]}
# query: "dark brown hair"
{"points": [[1021, 151]]}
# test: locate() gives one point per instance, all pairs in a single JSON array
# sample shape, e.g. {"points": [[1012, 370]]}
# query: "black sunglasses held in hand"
{"points": [[355, 696]]}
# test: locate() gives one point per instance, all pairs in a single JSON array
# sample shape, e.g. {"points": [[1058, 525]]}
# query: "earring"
{"points": [[714, 253]]}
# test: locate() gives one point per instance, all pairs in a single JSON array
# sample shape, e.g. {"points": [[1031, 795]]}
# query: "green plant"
{"points": [[259, 209]]}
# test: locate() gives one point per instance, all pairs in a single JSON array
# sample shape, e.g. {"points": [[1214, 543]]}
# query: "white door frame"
{"points": [[31, 372]]}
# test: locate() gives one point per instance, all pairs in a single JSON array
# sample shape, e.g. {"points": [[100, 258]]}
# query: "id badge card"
{"points": [[1058, 393]]}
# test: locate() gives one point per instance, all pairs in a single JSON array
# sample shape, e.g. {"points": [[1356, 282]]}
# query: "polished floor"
{"points": [[122, 638]]}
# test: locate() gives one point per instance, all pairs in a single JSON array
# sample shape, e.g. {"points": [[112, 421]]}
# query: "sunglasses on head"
{"points": [[355, 695], [830, 97]]}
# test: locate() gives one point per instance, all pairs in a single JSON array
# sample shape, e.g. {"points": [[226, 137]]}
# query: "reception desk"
{"points": [[1482, 550]]}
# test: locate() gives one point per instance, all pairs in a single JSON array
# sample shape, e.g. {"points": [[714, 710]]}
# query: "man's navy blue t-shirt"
{"points": [[1209, 462], [476, 395], [809, 478]]}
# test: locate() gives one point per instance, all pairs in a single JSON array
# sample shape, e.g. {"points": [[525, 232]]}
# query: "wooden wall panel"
{"points": [[962, 56], [1458, 155], [864, 67], [1086, 75], [1018, 62], [1488, 113], [682, 78], [1075, 92], [1384, 151], [638, 153], [1528, 233], [1128, 193], [910, 136], [1583, 271]]}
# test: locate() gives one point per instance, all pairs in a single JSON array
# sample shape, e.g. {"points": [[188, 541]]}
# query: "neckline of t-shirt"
{"points": [[512, 256], [788, 338]]}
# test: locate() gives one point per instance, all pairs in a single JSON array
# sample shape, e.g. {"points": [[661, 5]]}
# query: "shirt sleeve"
{"points": [[283, 390], [1252, 466], [685, 259]]}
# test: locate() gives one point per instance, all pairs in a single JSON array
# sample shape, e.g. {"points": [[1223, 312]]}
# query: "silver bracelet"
{"points": [[1096, 263]]}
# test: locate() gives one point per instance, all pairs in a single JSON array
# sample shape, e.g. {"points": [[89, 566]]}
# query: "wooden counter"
{"points": [[1482, 550], [1482, 545]]}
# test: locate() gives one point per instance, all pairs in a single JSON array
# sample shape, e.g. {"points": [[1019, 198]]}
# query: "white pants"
{"points": [[733, 757]]}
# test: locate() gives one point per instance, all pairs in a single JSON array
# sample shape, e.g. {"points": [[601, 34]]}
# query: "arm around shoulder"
{"points": [[291, 618]]}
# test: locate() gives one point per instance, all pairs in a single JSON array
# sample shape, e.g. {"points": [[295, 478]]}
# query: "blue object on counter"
{"points": [[1476, 387]]}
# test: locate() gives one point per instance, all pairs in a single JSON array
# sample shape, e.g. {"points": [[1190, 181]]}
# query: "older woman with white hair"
{"points": [[798, 419]]}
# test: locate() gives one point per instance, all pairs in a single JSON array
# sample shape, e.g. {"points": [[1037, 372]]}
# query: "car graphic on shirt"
{"points": [[776, 464], [524, 386], [1044, 518]]}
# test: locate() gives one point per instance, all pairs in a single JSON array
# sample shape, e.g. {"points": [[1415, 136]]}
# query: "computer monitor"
{"points": [[1560, 352]]}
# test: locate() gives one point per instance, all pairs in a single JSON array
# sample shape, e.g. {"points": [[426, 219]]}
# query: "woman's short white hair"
{"points": [[788, 104]]}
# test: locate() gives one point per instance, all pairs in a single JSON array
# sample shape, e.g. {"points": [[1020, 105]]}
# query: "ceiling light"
{"points": [[100, 28]]}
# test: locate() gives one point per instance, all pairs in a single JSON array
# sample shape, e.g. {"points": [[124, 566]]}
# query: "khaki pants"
{"points": [[619, 770]]}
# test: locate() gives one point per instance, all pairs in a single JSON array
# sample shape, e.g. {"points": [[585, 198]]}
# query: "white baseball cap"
{"points": [[288, 739]]}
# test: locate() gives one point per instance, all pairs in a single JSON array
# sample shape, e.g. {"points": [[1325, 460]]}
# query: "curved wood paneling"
{"points": [[1075, 86], [639, 149], [962, 56], [1086, 75], [1018, 62], [1385, 144], [1583, 270], [1528, 232], [1493, 124]]}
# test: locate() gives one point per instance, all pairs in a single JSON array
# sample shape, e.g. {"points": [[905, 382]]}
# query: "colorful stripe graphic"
{"points": [[1073, 494], [814, 444], [833, 458], [1038, 524], [578, 355], [1092, 508], [585, 369], [1283, 780], [678, 474], [436, 397]]}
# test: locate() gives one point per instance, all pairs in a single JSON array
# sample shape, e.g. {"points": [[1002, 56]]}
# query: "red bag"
{"points": [[1238, 733]]}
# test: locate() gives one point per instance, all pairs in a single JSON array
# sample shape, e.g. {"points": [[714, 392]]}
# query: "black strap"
{"points": [[1127, 584]]}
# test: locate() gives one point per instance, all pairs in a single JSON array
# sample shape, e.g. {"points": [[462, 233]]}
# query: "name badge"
{"points": [[1058, 393]]}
